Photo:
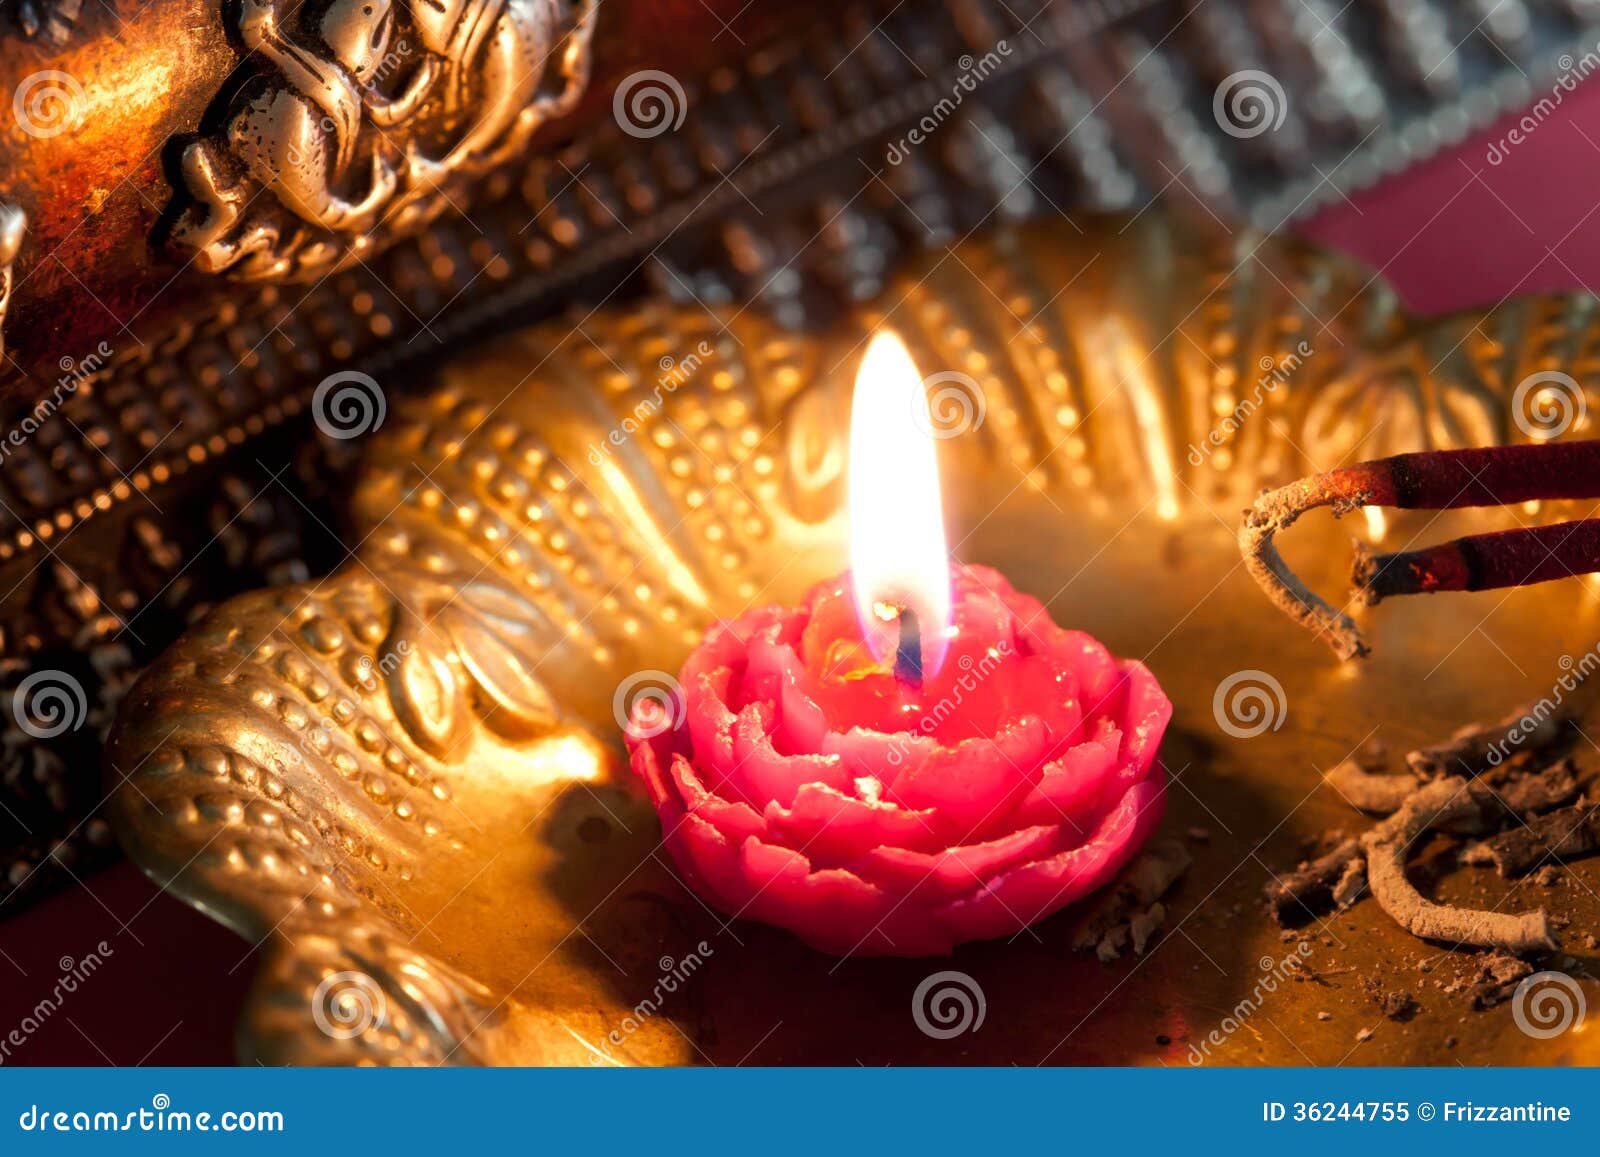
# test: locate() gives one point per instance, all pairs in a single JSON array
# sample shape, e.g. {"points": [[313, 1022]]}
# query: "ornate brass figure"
{"points": [[403, 778], [369, 113]]}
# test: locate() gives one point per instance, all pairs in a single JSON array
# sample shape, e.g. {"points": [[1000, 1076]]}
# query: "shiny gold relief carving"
{"points": [[373, 999], [572, 505], [364, 117]]}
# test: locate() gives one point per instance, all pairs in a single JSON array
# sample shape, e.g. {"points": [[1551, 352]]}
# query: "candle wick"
{"points": [[908, 652]]}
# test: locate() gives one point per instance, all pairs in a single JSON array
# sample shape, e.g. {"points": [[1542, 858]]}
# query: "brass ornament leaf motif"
{"points": [[471, 639], [364, 117], [391, 771]]}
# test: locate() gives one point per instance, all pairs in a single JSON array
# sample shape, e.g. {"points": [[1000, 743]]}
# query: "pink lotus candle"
{"points": [[916, 755]]}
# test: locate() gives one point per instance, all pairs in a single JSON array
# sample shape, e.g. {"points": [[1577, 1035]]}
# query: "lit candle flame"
{"points": [[898, 558]]}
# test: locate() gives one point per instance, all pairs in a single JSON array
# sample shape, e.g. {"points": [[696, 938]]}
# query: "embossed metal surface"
{"points": [[343, 133], [405, 776]]}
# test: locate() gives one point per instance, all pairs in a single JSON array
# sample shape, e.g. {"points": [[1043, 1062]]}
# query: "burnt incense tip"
{"points": [[908, 652], [1364, 569]]}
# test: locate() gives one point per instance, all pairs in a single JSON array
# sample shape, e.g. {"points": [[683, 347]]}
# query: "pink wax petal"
{"points": [[768, 665], [723, 649], [833, 910], [734, 819], [709, 719], [1097, 669], [939, 876], [709, 863], [649, 762], [1023, 895], [876, 754], [1145, 713], [775, 675], [1072, 785], [995, 583], [1055, 693], [833, 828], [762, 773], [975, 784], [802, 723]]}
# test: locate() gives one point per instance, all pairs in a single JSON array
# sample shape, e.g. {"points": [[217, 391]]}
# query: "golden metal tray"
{"points": [[406, 778]]}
